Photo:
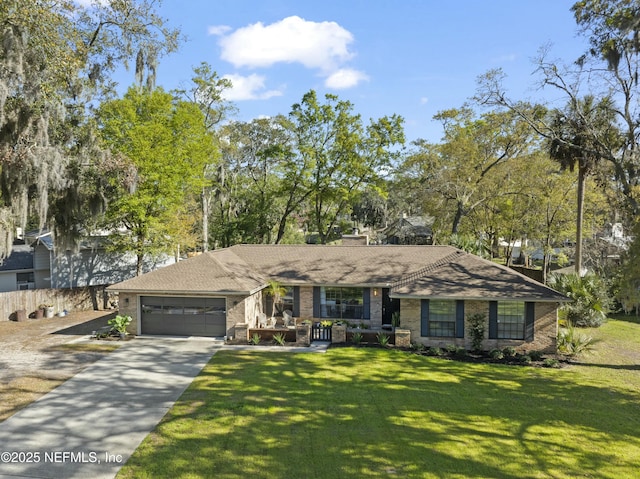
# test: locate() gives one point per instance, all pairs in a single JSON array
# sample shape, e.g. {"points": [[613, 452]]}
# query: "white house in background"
{"points": [[35, 263]]}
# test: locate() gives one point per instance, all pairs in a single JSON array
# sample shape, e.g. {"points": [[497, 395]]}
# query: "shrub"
{"points": [[434, 351], [279, 339], [525, 359], [395, 319], [496, 354], [255, 339], [356, 337], [451, 348], [536, 355], [476, 324], [570, 342], [460, 352], [383, 339], [509, 352], [551, 363], [120, 323], [591, 300]]}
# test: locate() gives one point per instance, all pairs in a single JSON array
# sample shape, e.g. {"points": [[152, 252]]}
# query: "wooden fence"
{"points": [[535, 274], [75, 299]]}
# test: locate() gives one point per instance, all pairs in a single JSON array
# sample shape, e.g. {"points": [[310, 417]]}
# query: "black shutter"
{"points": [[316, 301], [529, 320], [459, 319], [366, 303], [424, 317], [296, 301], [493, 320]]}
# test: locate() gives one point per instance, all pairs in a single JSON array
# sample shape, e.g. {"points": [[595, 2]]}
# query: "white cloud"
{"points": [[318, 45], [345, 78], [218, 30], [424, 100], [250, 87]]}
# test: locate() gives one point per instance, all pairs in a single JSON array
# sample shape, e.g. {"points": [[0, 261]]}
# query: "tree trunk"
{"points": [[580, 217], [546, 259], [206, 208], [457, 219], [139, 262]]}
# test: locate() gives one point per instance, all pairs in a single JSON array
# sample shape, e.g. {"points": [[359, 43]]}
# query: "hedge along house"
{"points": [[434, 288]]}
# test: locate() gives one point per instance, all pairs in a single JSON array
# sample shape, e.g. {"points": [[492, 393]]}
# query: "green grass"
{"points": [[368, 413], [94, 347]]}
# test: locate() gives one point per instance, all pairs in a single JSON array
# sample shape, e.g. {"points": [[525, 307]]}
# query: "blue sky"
{"points": [[409, 57]]}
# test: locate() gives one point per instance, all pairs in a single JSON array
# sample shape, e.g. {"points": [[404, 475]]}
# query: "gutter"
{"points": [[482, 298], [190, 293]]}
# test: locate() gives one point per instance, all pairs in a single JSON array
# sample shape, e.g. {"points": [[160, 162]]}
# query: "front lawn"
{"points": [[360, 412]]}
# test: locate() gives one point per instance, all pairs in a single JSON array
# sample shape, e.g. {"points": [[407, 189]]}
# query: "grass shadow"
{"points": [[369, 412]]}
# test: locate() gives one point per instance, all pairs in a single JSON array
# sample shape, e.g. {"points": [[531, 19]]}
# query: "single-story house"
{"points": [[434, 289]]}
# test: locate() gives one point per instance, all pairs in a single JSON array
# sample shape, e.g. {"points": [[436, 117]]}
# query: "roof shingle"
{"points": [[411, 271]]}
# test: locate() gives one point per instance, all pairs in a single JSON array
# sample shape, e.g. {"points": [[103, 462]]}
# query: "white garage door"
{"points": [[182, 316]]}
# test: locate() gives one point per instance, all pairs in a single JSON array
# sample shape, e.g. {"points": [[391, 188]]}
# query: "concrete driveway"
{"points": [[90, 425]]}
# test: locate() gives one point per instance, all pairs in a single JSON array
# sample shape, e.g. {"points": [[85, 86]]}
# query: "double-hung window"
{"points": [[442, 318], [511, 320]]}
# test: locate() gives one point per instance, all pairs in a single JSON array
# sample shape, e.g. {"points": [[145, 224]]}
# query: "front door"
{"points": [[389, 306]]}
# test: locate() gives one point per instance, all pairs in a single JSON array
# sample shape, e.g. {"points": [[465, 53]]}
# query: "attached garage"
{"points": [[183, 316]]}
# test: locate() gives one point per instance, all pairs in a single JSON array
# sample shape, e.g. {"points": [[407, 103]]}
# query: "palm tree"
{"points": [[580, 133]]}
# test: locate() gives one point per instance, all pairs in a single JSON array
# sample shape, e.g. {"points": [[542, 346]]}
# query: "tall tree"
{"points": [[207, 91], [457, 173], [608, 71], [612, 28], [254, 151], [165, 144], [342, 154], [572, 145], [55, 57]]}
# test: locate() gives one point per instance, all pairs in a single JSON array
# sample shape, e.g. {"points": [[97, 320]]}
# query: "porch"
{"points": [[306, 331]]}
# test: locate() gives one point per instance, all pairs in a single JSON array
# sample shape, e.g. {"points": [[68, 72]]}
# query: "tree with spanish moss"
{"points": [[56, 57]]}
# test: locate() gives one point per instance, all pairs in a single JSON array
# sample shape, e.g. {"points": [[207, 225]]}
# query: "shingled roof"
{"points": [[219, 272], [468, 277], [410, 271]]}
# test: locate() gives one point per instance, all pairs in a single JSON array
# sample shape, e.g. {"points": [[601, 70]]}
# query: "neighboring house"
{"points": [[410, 230], [435, 288], [36, 263], [16, 270]]}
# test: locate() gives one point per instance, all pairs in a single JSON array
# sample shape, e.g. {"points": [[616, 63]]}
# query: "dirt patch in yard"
{"points": [[38, 355]]}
